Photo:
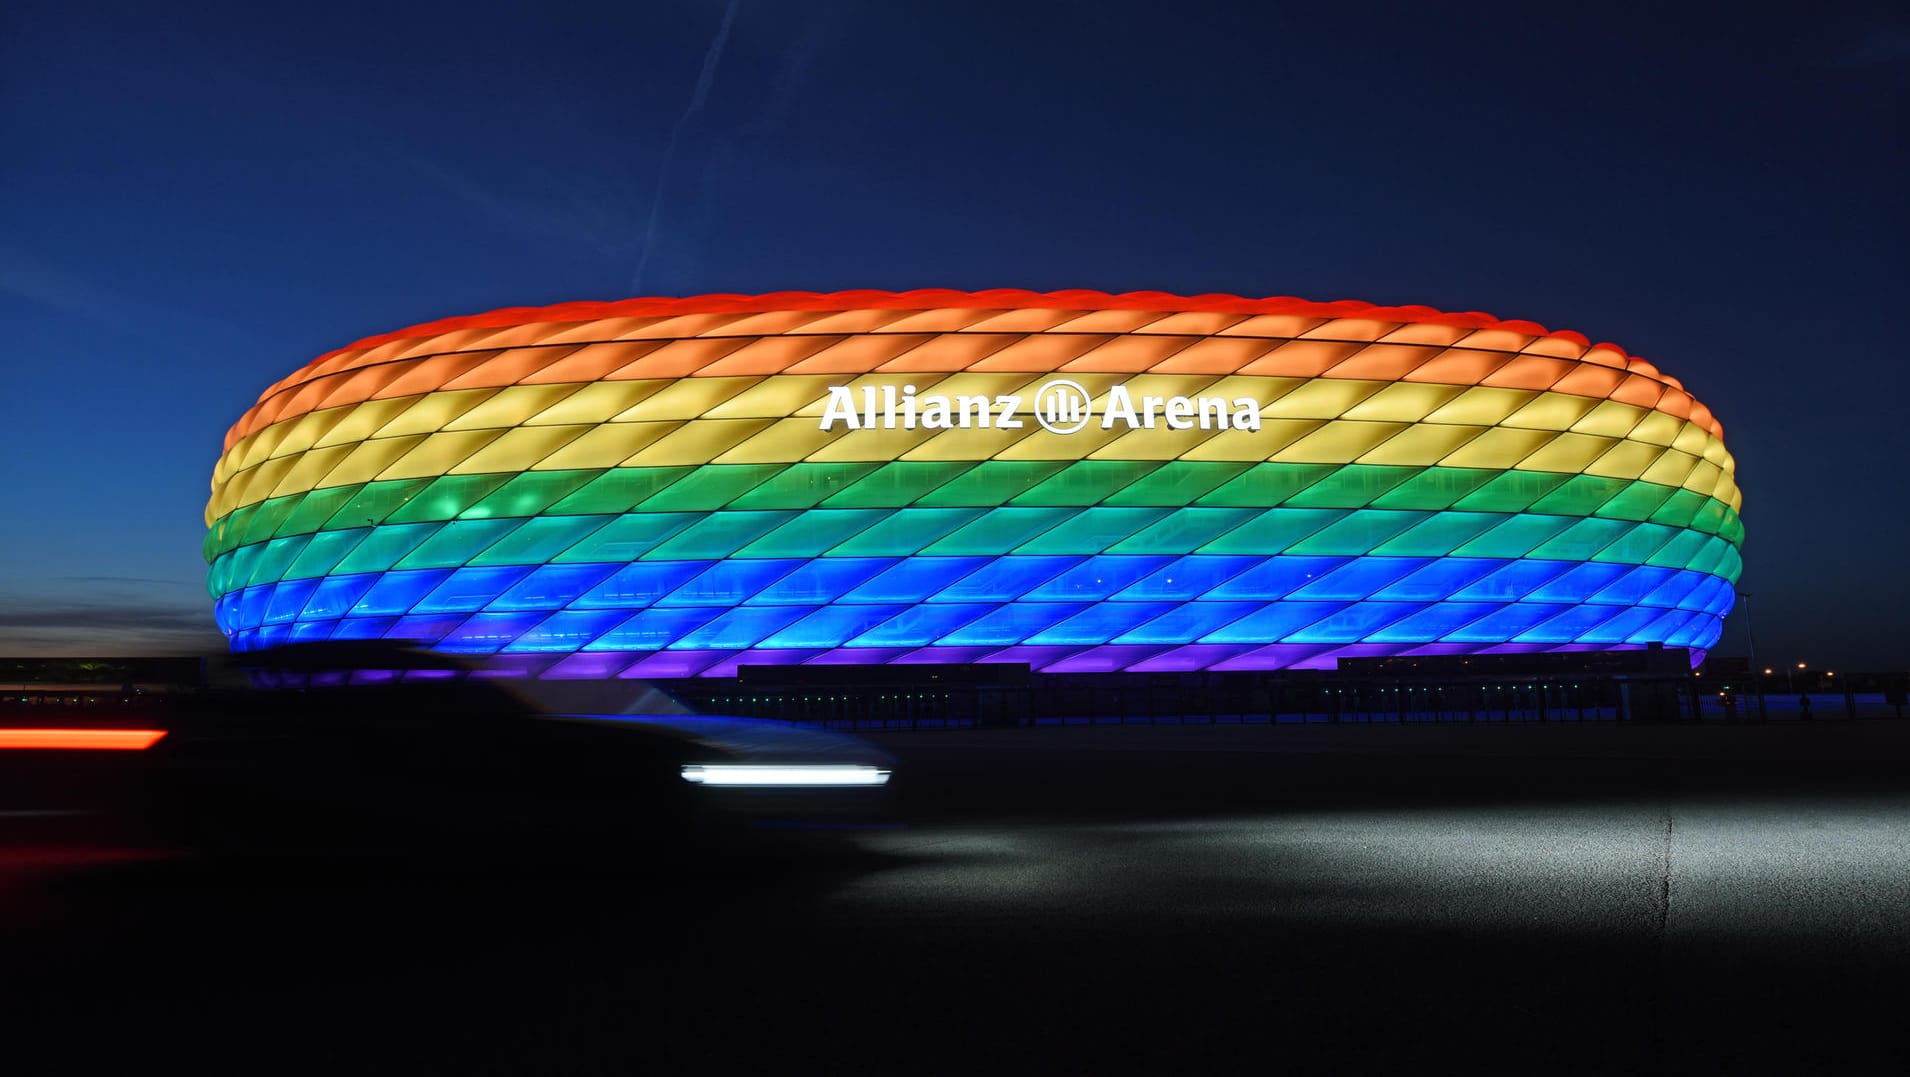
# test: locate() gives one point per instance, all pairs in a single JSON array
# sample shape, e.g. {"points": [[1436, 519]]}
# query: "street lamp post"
{"points": [[1750, 640]]}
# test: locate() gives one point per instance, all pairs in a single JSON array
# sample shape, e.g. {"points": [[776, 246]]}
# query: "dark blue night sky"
{"points": [[196, 199]]}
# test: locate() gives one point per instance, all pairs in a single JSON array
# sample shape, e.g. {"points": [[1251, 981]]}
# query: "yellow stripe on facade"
{"points": [[777, 419]]}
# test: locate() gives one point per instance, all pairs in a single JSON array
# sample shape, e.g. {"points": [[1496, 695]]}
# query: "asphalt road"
{"points": [[1598, 899]]}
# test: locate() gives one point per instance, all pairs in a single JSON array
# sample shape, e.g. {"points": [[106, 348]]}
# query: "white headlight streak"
{"points": [[763, 776]]}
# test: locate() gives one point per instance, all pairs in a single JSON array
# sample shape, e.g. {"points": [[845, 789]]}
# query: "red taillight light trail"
{"points": [[121, 740]]}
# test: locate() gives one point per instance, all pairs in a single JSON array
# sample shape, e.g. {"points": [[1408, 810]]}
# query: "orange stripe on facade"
{"points": [[691, 338], [1139, 353]]}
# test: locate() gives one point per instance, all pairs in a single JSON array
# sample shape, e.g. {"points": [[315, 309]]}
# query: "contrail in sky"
{"points": [[704, 80]]}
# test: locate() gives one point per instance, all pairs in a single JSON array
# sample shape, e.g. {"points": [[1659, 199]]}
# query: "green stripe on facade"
{"points": [[965, 484]]}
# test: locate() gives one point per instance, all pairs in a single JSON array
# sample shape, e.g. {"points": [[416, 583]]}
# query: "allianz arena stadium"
{"points": [[1078, 481]]}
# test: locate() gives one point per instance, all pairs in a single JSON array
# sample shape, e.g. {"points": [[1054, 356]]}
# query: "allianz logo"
{"points": [[1060, 406]]}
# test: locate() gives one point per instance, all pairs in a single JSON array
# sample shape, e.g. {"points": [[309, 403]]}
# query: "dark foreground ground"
{"points": [[1555, 899]]}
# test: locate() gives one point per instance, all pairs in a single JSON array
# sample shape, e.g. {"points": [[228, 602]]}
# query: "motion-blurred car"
{"points": [[401, 751]]}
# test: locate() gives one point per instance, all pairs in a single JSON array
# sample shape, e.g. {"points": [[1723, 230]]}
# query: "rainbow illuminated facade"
{"points": [[1080, 481]]}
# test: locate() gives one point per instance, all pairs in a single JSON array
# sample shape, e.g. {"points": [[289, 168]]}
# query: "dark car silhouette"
{"points": [[400, 751]]}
